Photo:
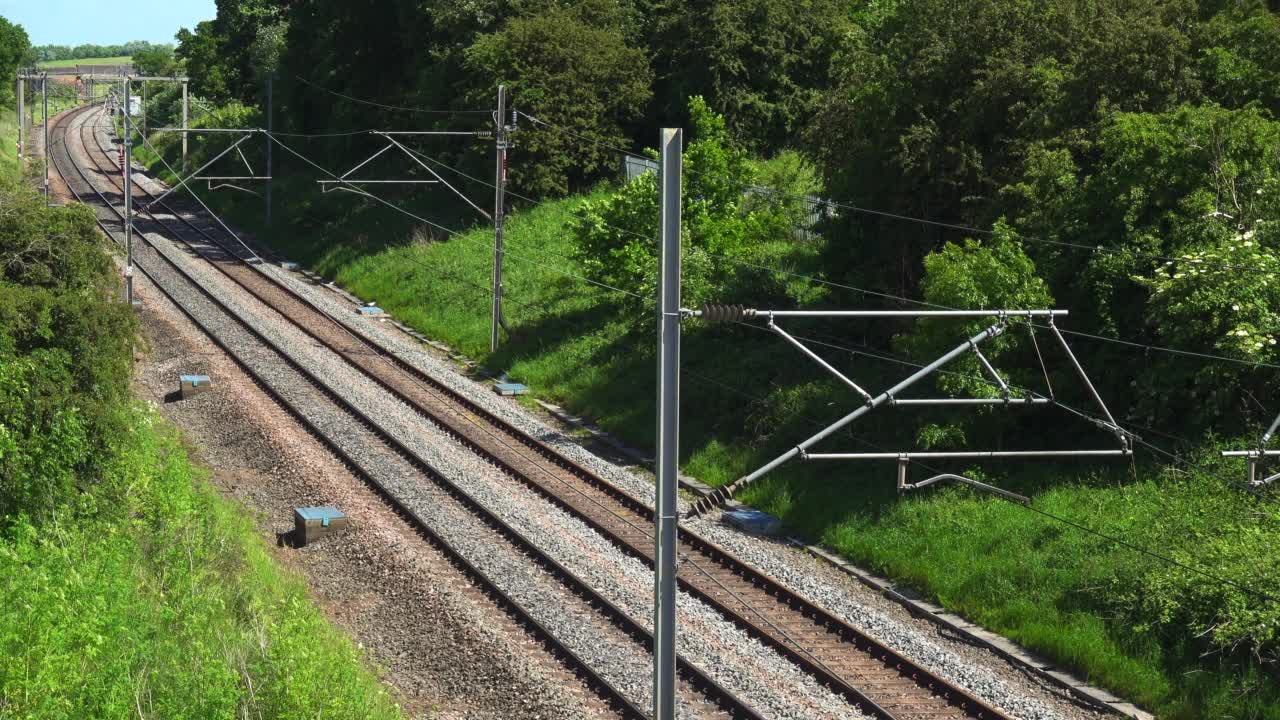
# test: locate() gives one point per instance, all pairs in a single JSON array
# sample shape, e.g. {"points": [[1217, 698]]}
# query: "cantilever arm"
{"points": [[1266, 437], [184, 180], [722, 494], [814, 356], [971, 483]]}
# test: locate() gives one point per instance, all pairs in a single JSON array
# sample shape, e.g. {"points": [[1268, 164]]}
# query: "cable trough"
{"points": [[359, 440]]}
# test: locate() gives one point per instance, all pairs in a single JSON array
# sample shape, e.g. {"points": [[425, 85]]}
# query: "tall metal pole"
{"points": [[270, 121], [44, 102], [664, 575], [144, 108], [22, 119], [184, 128], [499, 192], [128, 198]]}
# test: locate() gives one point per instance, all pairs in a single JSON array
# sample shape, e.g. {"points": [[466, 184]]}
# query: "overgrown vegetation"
{"points": [[128, 587]]}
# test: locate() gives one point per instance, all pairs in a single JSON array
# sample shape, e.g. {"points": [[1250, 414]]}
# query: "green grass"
{"points": [[8, 143], [1126, 621], [117, 60], [128, 586], [152, 596], [1053, 588]]}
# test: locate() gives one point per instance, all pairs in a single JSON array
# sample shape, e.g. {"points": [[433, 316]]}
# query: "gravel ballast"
{"points": [[978, 671], [759, 674], [768, 681]]}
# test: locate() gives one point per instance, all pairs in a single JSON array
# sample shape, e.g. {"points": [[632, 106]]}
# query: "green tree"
{"points": [[155, 61], [572, 67], [989, 275], [724, 245], [15, 50], [65, 351], [762, 64], [223, 56], [938, 104]]}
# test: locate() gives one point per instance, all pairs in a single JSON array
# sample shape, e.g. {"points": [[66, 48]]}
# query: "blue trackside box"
{"points": [[371, 310], [508, 389], [312, 523], [753, 521], [190, 385]]}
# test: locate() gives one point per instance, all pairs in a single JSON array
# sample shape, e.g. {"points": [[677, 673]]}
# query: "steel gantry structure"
{"points": [[891, 397]]}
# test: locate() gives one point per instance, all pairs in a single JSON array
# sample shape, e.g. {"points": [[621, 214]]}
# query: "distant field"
{"points": [[120, 60]]}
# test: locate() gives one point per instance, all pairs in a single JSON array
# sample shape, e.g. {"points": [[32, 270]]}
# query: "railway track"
{"points": [[874, 678], [301, 391]]}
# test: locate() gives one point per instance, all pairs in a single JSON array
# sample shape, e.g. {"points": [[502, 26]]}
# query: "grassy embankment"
{"points": [[8, 143], [117, 60], [128, 586], [1066, 593], [152, 596], [1125, 620]]}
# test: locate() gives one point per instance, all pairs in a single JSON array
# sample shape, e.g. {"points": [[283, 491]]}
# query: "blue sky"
{"points": [[104, 22]]}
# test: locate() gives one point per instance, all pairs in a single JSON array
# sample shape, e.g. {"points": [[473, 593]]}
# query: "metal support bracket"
{"points": [[345, 179], [1255, 458], [735, 313], [1007, 495]]}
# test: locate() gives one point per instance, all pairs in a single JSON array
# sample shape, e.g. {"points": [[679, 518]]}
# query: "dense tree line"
{"points": [[1108, 142], [608, 71], [41, 53]]}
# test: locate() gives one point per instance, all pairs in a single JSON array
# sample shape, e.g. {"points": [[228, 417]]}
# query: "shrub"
{"points": [[723, 245]]}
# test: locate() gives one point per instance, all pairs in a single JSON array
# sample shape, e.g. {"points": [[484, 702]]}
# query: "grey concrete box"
{"points": [[313, 523], [192, 385]]}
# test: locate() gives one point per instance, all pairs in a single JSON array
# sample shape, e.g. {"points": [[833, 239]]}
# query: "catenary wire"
{"points": [[1067, 521], [385, 106], [450, 231], [964, 228]]}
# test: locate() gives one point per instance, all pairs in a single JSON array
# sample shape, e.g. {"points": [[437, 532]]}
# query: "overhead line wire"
{"points": [[450, 231], [965, 228], [385, 106], [1045, 513]]}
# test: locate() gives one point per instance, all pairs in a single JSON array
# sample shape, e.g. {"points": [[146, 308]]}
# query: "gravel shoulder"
{"points": [[438, 640], [978, 670], [755, 672]]}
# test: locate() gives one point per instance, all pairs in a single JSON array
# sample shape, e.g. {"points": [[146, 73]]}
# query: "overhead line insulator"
{"points": [[726, 313]]}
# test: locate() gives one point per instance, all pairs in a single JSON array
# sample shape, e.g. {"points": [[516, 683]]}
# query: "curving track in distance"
{"points": [[874, 678]]}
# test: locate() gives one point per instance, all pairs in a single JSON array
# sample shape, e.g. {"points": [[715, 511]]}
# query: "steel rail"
{"points": [[608, 692], [714, 591], [688, 671]]}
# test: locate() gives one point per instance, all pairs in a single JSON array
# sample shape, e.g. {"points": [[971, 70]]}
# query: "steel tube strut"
{"points": [[721, 494], [1251, 453], [814, 356], [991, 370], [1085, 377], [965, 454], [972, 401], [902, 485], [1270, 431], [193, 175], [437, 176], [902, 313]]}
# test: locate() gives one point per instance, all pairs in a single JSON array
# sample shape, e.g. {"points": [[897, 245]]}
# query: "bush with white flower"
{"points": [[1225, 296]]}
